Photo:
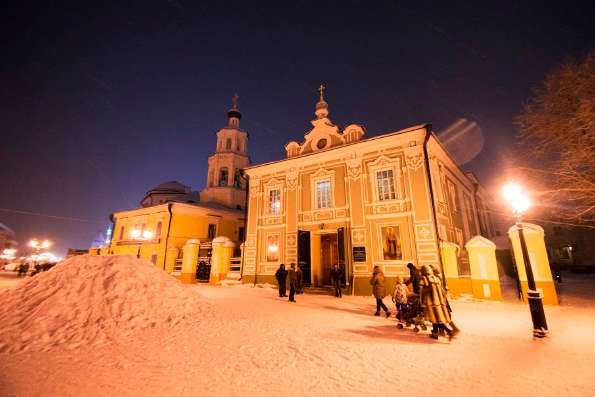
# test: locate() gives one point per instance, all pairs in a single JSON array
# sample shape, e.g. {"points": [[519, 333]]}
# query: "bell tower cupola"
{"points": [[225, 180], [234, 115]]}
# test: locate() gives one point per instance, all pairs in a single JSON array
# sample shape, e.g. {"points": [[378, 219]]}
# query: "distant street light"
{"points": [[38, 246], [8, 254], [520, 203], [140, 236]]}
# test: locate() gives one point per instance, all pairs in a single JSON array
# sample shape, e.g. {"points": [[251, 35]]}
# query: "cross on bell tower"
{"points": [[224, 181], [321, 90], [321, 107]]}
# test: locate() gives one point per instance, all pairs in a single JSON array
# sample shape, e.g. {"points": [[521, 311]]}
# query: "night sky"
{"points": [[100, 102]]}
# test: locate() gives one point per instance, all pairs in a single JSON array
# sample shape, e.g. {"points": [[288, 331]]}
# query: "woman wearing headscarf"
{"points": [[379, 290]]}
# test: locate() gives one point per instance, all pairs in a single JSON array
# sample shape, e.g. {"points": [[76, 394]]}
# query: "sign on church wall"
{"points": [[359, 254]]}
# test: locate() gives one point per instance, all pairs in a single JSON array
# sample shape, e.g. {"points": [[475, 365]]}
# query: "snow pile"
{"points": [[92, 300]]}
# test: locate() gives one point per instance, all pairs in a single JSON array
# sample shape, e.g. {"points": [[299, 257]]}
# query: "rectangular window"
{"points": [[274, 201], [273, 248], [386, 185], [459, 237], [154, 259], [212, 231], [323, 194], [240, 234], [391, 243], [121, 232], [452, 192]]}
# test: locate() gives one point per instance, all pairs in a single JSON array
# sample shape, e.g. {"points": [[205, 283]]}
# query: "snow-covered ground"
{"points": [[247, 341]]}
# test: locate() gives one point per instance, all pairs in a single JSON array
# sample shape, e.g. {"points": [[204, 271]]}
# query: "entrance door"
{"points": [[341, 254], [304, 257], [329, 255]]}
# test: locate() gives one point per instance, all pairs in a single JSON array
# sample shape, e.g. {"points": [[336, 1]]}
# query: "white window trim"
{"points": [[384, 163], [452, 193], [273, 184], [322, 175]]}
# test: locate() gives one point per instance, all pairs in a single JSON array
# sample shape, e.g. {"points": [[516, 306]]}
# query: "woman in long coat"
{"points": [[379, 290], [434, 303]]}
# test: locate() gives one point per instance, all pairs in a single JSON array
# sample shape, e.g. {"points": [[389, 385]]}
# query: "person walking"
{"points": [[433, 302], [379, 289], [400, 299], [281, 276], [453, 326], [299, 287], [292, 282], [414, 278], [337, 279]]}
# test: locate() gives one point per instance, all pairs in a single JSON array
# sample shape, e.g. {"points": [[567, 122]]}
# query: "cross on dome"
{"points": [[234, 101], [321, 90], [321, 107]]}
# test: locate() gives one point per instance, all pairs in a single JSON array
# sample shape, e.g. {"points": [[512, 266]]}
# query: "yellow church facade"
{"points": [[159, 233], [171, 215], [338, 198]]}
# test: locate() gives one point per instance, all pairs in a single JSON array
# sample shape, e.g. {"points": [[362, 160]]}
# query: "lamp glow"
{"points": [[517, 199]]}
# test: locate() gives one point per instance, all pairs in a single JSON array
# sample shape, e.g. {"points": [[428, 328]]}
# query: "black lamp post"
{"points": [[520, 203]]}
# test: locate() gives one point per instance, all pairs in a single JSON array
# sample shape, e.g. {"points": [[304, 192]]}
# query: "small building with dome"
{"points": [[171, 191], [171, 213]]}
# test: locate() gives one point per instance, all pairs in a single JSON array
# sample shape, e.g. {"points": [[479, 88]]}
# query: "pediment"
{"points": [[324, 135]]}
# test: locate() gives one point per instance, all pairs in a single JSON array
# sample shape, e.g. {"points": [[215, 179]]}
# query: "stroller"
{"points": [[413, 314]]}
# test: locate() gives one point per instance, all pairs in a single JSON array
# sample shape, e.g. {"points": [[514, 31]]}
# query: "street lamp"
{"points": [[520, 203], [140, 236], [8, 254], [38, 246]]}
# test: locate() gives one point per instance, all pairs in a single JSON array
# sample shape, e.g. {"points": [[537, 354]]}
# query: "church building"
{"points": [[339, 198], [171, 214]]}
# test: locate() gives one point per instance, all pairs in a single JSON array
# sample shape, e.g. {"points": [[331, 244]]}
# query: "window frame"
{"points": [[326, 198], [209, 230], [269, 186], [382, 164], [322, 175], [270, 208]]}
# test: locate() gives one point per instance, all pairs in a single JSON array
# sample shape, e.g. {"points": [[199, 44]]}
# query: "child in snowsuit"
{"points": [[400, 298]]}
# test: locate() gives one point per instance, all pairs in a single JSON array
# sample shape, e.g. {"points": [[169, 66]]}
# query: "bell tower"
{"points": [[225, 184]]}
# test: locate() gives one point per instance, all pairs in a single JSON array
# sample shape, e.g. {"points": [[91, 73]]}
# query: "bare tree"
{"points": [[557, 141]]}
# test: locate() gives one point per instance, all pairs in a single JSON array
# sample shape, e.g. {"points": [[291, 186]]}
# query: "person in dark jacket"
{"points": [[299, 287], [281, 276], [379, 289], [292, 282], [414, 277], [337, 279]]}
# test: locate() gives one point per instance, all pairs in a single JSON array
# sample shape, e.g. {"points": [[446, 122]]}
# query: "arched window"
{"points": [[223, 175], [228, 144], [237, 181], [158, 230], [239, 147]]}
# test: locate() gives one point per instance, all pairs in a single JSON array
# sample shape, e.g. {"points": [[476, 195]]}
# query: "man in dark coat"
{"points": [[281, 276], [299, 288], [414, 277], [292, 282], [379, 290], [337, 279]]}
